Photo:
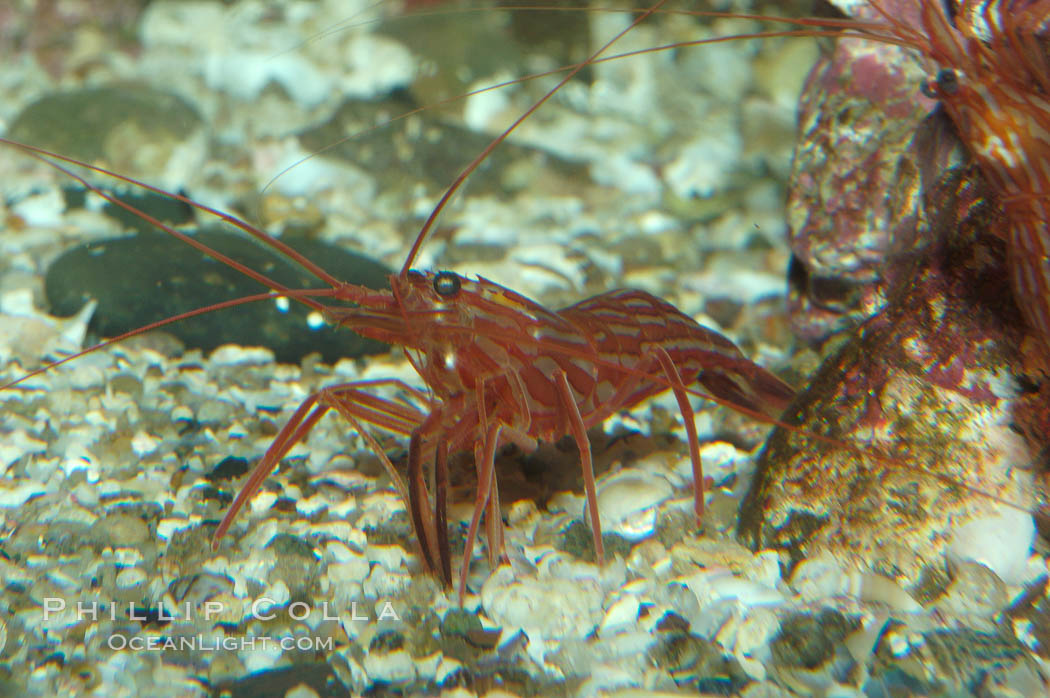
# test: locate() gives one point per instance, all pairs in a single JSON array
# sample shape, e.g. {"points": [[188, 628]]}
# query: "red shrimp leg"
{"points": [[418, 500], [294, 431], [682, 396], [353, 404], [583, 443], [441, 510], [485, 455], [494, 521]]}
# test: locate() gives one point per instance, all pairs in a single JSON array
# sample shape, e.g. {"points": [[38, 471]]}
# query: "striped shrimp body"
{"points": [[504, 369]]}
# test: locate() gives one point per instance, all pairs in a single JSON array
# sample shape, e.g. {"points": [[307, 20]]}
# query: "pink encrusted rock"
{"points": [[855, 193], [938, 384], [931, 417]]}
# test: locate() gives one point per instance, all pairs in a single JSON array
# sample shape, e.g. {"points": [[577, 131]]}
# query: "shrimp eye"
{"points": [[947, 81], [447, 284], [944, 85]]}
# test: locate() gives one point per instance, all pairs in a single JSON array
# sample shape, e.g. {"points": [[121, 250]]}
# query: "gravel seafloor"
{"points": [[117, 466]]}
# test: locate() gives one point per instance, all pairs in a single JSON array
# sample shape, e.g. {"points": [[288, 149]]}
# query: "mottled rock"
{"points": [[808, 653], [929, 418], [119, 530], [695, 663], [953, 662], [854, 200]]}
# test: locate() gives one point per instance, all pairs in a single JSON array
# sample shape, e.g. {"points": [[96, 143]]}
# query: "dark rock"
{"points": [[165, 209], [229, 468], [107, 125], [275, 683], [691, 661], [150, 276], [809, 641], [421, 149], [952, 662], [578, 541]]}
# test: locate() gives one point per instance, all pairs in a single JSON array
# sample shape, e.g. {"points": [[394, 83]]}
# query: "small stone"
{"points": [[620, 615], [551, 608], [301, 691], [136, 130], [229, 468], [143, 444], [166, 528], [18, 495], [818, 578], [350, 571], [394, 667], [628, 502], [392, 557], [121, 530], [381, 583], [130, 578], [807, 641], [975, 591], [1001, 542]]}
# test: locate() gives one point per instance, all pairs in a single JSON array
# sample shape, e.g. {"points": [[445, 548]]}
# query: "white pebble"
{"points": [[381, 583], [261, 656], [878, 589], [301, 691], [17, 444], [277, 594], [445, 669], [340, 530], [143, 444], [262, 501], [311, 505], [392, 557], [818, 578], [620, 615], [349, 571], [338, 551], [130, 577], [713, 586], [1001, 542], [166, 528], [20, 494], [628, 502], [551, 608], [392, 667], [232, 355]]}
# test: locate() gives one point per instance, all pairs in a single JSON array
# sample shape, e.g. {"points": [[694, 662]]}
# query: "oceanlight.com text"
{"points": [[200, 643]]}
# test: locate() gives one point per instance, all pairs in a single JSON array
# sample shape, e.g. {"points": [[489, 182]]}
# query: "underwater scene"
{"points": [[475, 349]]}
